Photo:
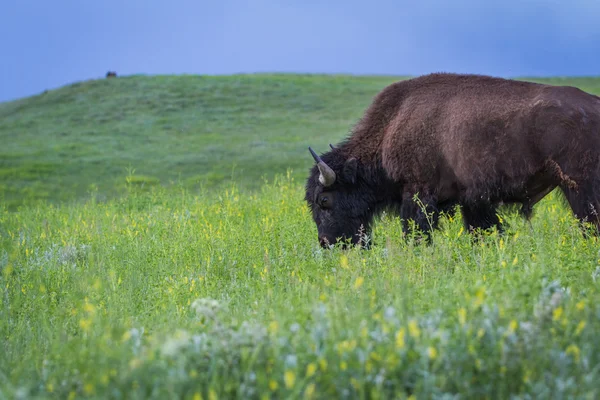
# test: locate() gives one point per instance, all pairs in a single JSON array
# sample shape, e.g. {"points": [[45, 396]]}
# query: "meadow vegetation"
{"points": [[177, 291]]}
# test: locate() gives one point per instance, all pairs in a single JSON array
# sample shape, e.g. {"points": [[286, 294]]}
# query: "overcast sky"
{"points": [[46, 44]]}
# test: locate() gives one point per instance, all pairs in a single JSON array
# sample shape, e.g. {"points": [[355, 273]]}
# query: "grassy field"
{"points": [[171, 295], [198, 131], [169, 290]]}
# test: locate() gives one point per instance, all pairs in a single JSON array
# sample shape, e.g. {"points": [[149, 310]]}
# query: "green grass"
{"points": [[196, 130], [102, 300], [198, 276]]}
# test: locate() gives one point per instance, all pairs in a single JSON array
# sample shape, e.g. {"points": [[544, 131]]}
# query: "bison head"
{"points": [[342, 203]]}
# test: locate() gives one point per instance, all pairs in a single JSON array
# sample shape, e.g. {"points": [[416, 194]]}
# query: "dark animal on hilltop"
{"points": [[428, 144], [111, 74]]}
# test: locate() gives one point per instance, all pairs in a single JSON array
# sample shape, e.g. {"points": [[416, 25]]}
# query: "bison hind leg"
{"points": [[480, 216]]}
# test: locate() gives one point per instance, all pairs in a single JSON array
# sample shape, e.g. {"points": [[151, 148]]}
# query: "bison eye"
{"points": [[324, 202]]}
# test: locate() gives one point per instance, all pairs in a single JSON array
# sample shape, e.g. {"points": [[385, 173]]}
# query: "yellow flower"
{"points": [[479, 297], [344, 261], [580, 327], [580, 305], [126, 336], [85, 324], [289, 378], [557, 313], [310, 370], [574, 351], [515, 261], [413, 329], [432, 353], [512, 326], [273, 385], [343, 366], [400, 343], [358, 283], [309, 391], [212, 395], [273, 327], [323, 364], [462, 315], [88, 389], [197, 396]]}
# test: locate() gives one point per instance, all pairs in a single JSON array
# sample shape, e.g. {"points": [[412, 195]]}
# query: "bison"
{"points": [[111, 74], [428, 144]]}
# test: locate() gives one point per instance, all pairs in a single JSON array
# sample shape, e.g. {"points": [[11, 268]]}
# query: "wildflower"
{"points": [[343, 365], [580, 327], [358, 283], [344, 261], [574, 351], [289, 378], [462, 315], [273, 385], [323, 364], [557, 313], [309, 391], [479, 297], [413, 329], [364, 332], [212, 395], [273, 327], [173, 344], [515, 261], [197, 396], [310, 370], [580, 305], [85, 324], [400, 343], [512, 326], [88, 389], [432, 353], [126, 336]]}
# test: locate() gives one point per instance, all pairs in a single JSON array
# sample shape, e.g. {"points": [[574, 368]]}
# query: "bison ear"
{"points": [[350, 169]]}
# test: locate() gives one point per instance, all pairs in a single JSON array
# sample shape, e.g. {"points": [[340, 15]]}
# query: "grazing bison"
{"points": [[430, 143], [111, 74]]}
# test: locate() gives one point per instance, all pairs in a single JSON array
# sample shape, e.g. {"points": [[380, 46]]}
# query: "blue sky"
{"points": [[46, 44]]}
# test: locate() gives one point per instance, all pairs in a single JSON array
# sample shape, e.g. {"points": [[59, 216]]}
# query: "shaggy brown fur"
{"points": [[472, 140]]}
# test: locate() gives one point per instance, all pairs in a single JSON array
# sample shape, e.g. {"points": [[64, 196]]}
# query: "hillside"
{"points": [[199, 131]]}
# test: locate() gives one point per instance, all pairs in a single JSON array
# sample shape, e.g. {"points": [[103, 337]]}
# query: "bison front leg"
{"points": [[585, 203], [480, 216], [422, 211]]}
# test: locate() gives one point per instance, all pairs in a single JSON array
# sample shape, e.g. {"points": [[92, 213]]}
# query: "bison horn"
{"points": [[327, 175]]}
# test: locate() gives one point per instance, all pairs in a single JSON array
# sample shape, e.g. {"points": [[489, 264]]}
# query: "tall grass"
{"points": [[175, 295]]}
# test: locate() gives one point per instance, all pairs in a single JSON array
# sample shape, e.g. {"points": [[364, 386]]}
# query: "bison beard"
{"points": [[428, 144]]}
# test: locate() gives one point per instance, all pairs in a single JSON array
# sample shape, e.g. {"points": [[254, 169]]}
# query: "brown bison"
{"points": [[111, 74], [428, 144]]}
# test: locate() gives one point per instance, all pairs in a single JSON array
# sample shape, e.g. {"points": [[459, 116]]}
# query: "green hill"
{"points": [[199, 131]]}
